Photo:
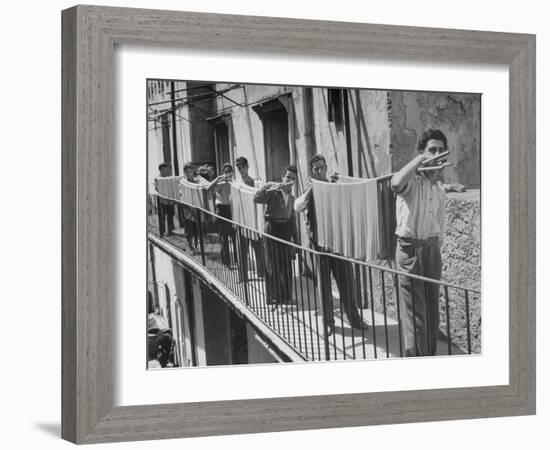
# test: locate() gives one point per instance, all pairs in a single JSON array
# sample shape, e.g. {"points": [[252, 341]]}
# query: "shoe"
{"points": [[359, 324]]}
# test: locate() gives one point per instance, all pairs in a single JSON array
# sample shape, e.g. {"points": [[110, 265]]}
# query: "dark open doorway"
{"points": [[276, 144], [221, 142]]}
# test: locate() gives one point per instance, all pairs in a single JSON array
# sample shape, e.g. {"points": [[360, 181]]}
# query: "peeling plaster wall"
{"points": [[457, 115], [329, 141], [248, 135], [370, 132]]}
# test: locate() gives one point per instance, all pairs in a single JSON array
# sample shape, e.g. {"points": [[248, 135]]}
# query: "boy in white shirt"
{"points": [[420, 213]]}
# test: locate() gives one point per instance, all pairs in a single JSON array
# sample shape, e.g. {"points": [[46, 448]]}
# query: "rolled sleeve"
{"points": [[261, 195], [301, 202]]}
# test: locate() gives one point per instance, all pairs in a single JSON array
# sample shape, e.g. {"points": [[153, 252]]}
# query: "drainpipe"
{"points": [[174, 134], [348, 134]]}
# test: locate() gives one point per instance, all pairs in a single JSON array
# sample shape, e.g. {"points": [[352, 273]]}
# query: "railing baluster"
{"points": [[240, 283], [303, 306], [296, 275], [399, 322], [383, 284], [266, 291], [449, 341], [201, 242], [230, 270], [364, 303], [372, 314], [274, 282], [322, 278], [347, 286], [287, 286], [357, 299], [316, 277], [468, 331], [414, 318], [252, 282]]}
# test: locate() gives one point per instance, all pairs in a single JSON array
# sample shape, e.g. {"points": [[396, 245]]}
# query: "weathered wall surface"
{"points": [[462, 248], [246, 124], [370, 132], [330, 141], [461, 256], [457, 115], [159, 91]]}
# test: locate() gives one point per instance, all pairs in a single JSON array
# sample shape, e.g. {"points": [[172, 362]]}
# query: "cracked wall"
{"points": [[457, 115]]}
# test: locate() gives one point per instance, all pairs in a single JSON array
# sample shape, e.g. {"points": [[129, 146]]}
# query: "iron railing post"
{"points": [[242, 241], [201, 242], [469, 336], [326, 309]]}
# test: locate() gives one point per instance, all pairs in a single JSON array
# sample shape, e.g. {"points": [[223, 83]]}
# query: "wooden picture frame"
{"points": [[89, 37]]}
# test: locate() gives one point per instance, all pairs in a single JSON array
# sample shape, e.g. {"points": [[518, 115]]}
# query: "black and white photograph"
{"points": [[311, 224], [275, 225]]}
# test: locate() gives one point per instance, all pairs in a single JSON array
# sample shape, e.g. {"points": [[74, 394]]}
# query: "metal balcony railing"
{"points": [[285, 290]]}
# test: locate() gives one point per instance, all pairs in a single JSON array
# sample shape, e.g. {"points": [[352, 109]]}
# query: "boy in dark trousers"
{"points": [[280, 221], [165, 207], [420, 213], [341, 270]]}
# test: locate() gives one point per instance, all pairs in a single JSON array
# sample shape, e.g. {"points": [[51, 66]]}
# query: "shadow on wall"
{"points": [[361, 125], [334, 149], [403, 138]]}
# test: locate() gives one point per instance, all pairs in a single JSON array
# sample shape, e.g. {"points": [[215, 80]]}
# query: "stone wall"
{"points": [[461, 257], [462, 249]]}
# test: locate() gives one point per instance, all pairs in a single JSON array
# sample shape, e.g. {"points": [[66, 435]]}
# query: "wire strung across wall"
{"points": [[153, 116], [202, 96]]}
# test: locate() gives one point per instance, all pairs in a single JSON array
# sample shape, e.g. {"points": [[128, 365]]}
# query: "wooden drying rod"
{"points": [[424, 167], [430, 168], [279, 186], [435, 158]]}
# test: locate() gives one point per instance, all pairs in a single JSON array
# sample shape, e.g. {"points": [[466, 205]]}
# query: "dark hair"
{"points": [[292, 169], [241, 161], [317, 157], [188, 166], [163, 165], [227, 165], [428, 135]]}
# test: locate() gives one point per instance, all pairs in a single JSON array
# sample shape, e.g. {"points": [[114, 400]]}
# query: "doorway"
{"points": [[221, 143], [274, 119]]}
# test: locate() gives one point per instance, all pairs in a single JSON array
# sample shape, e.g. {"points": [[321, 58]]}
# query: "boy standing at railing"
{"points": [[342, 271], [280, 221], [242, 166], [165, 207], [190, 219], [420, 213], [221, 188]]}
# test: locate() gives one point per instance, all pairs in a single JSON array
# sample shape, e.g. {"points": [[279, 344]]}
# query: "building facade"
{"points": [[361, 132]]}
